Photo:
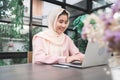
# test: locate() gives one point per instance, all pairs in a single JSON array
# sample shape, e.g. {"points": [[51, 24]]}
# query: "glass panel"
{"points": [[13, 36], [70, 33], [72, 2], [26, 4], [13, 39], [78, 3], [12, 61], [80, 43], [73, 14], [60, 0], [110, 1], [4, 10], [83, 3], [36, 29], [100, 3]]}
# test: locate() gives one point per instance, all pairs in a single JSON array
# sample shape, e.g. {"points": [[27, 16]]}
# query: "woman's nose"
{"points": [[63, 25]]}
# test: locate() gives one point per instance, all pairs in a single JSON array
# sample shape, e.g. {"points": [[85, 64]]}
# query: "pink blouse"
{"points": [[42, 47]]}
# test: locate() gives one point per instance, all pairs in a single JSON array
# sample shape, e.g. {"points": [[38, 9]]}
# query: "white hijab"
{"points": [[50, 34]]}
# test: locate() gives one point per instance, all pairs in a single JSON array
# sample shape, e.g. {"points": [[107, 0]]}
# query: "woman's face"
{"points": [[61, 24]]}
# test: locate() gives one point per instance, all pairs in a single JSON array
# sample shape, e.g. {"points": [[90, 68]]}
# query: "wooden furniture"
{"points": [[49, 72], [29, 57]]}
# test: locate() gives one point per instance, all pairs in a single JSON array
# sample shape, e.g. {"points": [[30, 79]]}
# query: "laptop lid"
{"points": [[95, 55]]}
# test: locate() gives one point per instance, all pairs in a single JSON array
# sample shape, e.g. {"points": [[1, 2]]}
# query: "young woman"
{"points": [[52, 45]]}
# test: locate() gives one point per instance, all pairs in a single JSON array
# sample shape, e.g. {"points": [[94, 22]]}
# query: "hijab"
{"points": [[50, 34]]}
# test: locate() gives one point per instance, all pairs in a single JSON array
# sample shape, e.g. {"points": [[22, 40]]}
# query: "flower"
{"points": [[93, 29], [113, 37], [104, 28]]}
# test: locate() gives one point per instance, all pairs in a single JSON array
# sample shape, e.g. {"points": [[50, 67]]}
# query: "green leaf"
{"points": [[92, 21], [78, 23]]}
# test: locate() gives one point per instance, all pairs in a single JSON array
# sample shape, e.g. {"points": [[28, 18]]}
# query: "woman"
{"points": [[53, 46]]}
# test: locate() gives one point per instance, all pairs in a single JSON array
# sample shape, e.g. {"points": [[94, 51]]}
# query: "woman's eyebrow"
{"points": [[63, 20]]}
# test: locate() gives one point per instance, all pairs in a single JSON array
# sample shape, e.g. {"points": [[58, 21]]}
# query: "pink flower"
{"points": [[105, 28], [115, 7], [113, 39]]}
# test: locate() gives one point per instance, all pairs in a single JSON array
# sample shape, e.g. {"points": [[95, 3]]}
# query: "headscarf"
{"points": [[50, 33]]}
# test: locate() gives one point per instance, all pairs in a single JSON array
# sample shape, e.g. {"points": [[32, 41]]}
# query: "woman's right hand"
{"points": [[73, 58]]}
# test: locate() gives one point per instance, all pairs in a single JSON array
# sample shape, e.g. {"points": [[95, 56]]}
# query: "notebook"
{"points": [[95, 55]]}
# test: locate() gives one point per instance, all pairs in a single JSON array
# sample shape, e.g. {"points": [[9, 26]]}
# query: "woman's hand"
{"points": [[78, 57]]}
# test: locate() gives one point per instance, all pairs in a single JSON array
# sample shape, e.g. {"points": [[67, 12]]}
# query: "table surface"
{"points": [[49, 72]]}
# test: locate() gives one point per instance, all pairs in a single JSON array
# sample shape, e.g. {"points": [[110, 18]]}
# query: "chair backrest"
{"points": [[29, 57]]}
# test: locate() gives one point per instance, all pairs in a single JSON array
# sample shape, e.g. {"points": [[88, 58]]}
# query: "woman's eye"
{"points": [[66, 22], [61, 21]]}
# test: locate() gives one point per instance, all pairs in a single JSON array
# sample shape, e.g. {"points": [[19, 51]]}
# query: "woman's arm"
{"points": [[76, 55], [40, 53]]}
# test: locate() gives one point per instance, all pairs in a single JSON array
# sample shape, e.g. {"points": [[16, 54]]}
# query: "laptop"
{"points": [[95, 55]]}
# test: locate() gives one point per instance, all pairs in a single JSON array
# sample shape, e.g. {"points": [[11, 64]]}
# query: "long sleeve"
{"points": [[73, 49], [40, 53]]}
